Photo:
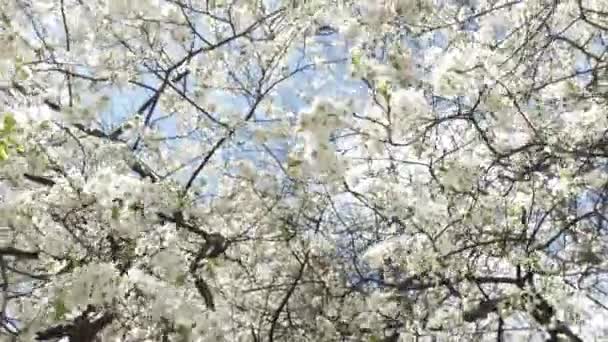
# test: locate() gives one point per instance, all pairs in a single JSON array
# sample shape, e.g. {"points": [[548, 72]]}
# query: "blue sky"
{"points": [[335, 84]]}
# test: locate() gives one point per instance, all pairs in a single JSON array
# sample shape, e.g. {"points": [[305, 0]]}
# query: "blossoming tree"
{"points": [[444, 178]]}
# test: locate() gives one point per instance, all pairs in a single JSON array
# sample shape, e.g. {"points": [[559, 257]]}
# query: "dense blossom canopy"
{"points": [[282, 170]]}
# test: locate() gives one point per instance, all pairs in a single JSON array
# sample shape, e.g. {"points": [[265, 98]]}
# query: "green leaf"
{"points": [[59, 308], [10, 141], [383, 89], [213, 262], [180, 280], [293, 162], [44, 125], [115, 213], [9, 123], [356, 60], [3, 151], [184, 333], [374, 338]]}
